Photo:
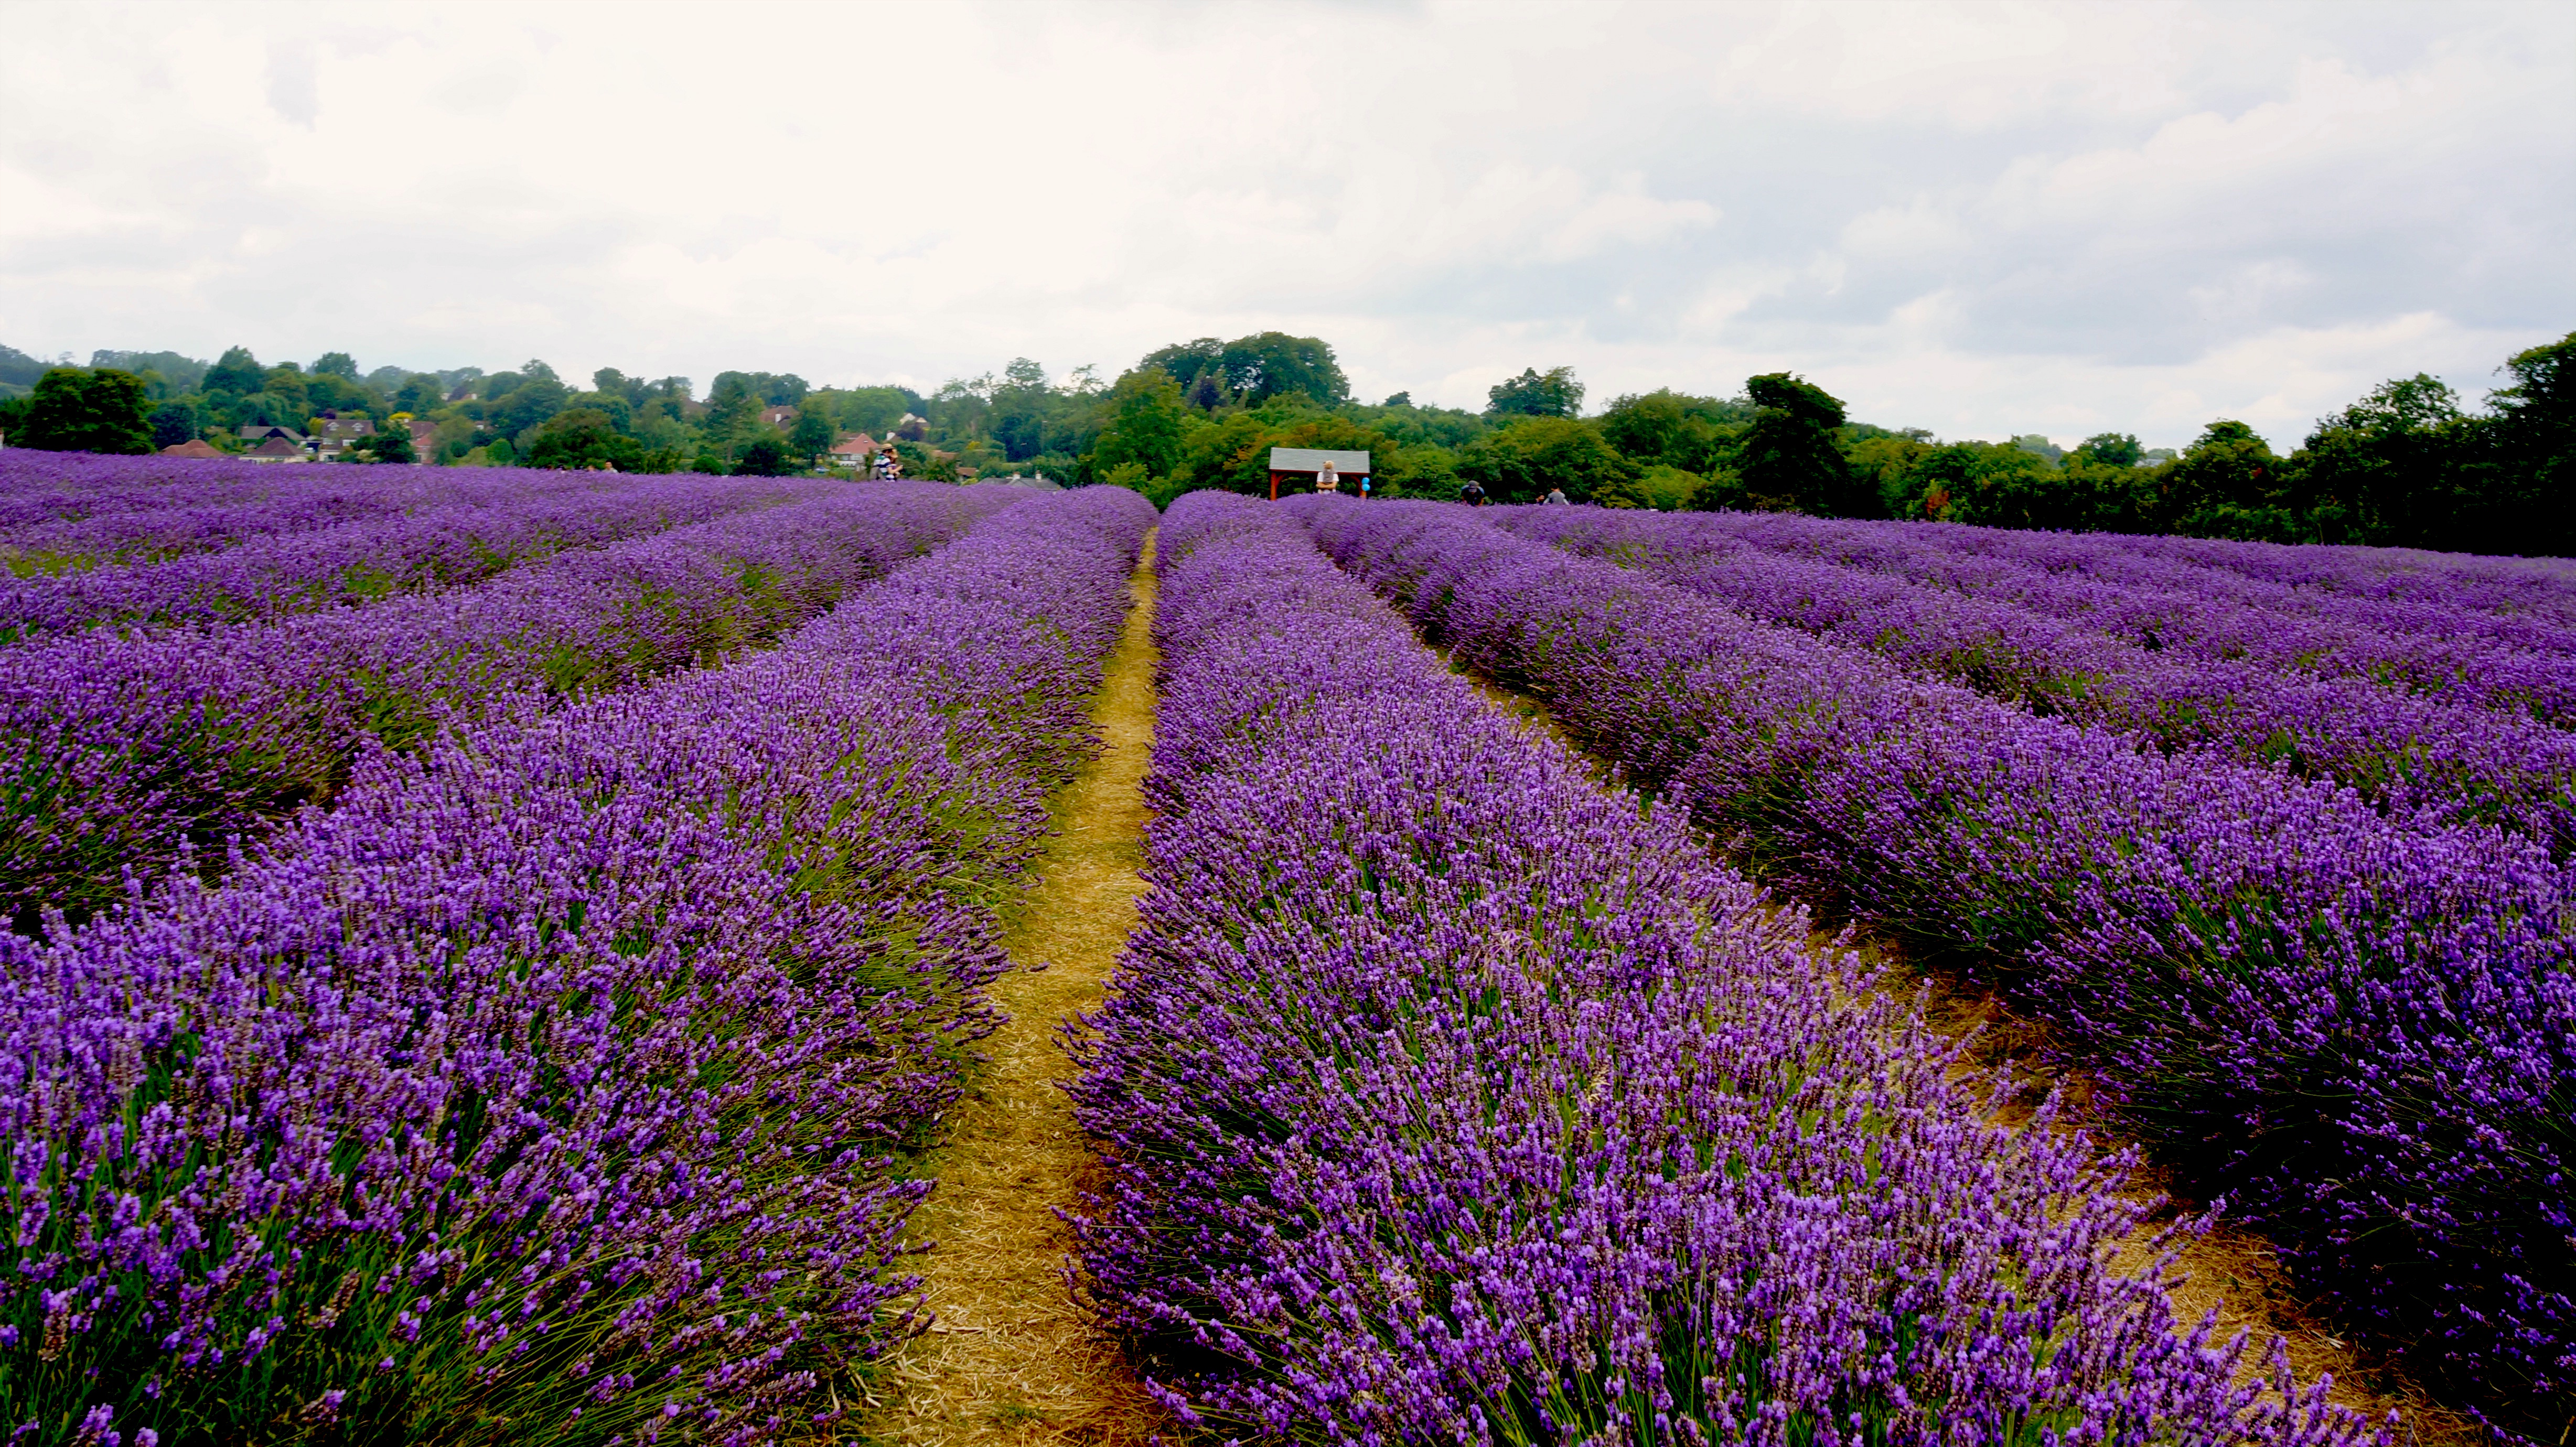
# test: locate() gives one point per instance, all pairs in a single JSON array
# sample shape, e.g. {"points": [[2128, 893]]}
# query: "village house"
{"points": [[277, 449], [779, 416], [193, 447], [258, 439], [333, 433], [854, 451]]}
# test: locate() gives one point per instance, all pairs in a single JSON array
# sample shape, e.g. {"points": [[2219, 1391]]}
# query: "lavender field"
{"points": [[495, 956], [549, 1083]]}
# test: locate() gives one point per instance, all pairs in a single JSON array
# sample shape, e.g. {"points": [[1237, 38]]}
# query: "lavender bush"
{"points": [[2517, 656], [119, 752], [2420, 758], [65, 510], [2366, 1034], [355, 562], [1448, 1098], [543, 1091]]}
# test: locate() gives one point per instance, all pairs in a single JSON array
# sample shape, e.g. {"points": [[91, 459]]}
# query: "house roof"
{"points": [[276, 447], [859, 446], [1310, 459], [778, 416], [255, 433], [193, 447]]}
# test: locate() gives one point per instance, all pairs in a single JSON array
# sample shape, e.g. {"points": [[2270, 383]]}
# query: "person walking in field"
{"points": [[1472, 493], [1556, 498], [1327, 480]]}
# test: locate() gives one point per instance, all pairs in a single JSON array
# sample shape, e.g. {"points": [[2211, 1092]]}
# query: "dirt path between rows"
{"points": [[1012, 1358]]}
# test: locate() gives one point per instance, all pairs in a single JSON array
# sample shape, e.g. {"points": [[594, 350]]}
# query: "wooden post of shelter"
{"points": [[1305, 462]]}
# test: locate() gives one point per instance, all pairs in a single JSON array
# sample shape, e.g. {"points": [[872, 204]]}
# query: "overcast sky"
{"points": [[1980, 219]]}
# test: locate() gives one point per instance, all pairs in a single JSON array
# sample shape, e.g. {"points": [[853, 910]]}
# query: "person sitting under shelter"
{"points": [[1327, 479]]}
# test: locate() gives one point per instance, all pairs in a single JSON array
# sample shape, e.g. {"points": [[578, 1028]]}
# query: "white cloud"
{"points": [[1979, 218]]}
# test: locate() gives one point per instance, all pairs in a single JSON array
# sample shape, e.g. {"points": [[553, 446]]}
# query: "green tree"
{"points": [[586, 437], [2387, 470], [730, 407], [419, 394], [1273, 364], [1788, 458], [237, 373], [1020, 406], [875, 410], [76, 410], [1673, 429], [1521, 461], [2227, 484], [813, 434], [1187, 362], [392, 444], [2528, 496], [1552, 393], [2038, 445], [1147, 418], [336, 364], [2111, 449], [285, 380], [764, 457], [173, 423]]}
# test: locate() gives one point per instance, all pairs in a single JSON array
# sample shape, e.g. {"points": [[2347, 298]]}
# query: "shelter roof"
{"points": [[1310, 459]]}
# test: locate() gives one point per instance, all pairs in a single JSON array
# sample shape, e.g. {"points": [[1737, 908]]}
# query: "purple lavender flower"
{"points": [[2361, 1031], [123, 751], [1450, 1097], [553, 1075]]}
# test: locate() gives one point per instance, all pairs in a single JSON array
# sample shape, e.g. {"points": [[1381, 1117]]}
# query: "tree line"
{"points": [[2408, 465]]}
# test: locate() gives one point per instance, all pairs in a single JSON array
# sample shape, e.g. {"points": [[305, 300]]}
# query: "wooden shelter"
{"points": [[1293, 464]]}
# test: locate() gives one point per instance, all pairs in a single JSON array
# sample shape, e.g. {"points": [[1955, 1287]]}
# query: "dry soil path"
{"points": [[1012, 1358]]}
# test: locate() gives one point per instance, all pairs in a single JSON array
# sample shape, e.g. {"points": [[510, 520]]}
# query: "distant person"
{"points": [[1472, 493], [1326, 479], [1556, 498]]}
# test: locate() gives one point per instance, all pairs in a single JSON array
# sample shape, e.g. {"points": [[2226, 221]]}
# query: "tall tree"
{"points": [[1789, 457], [2111, 449], [1147, 418], [2227, 484], [173, 423], [813, 434], [1275, 364], [1552, 393], [336, 364], [73, 410], [1520, 461], [1188, 362], [236, 372]]}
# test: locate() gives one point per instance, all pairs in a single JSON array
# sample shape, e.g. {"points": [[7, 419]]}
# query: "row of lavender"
{"points": [[41, 488], [2364, 1034], [1448, 1098], [545, 1088], [444, 545], [2447, 580], [119, 752], [65, 510], [2424, 758], [2510, 648]]}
